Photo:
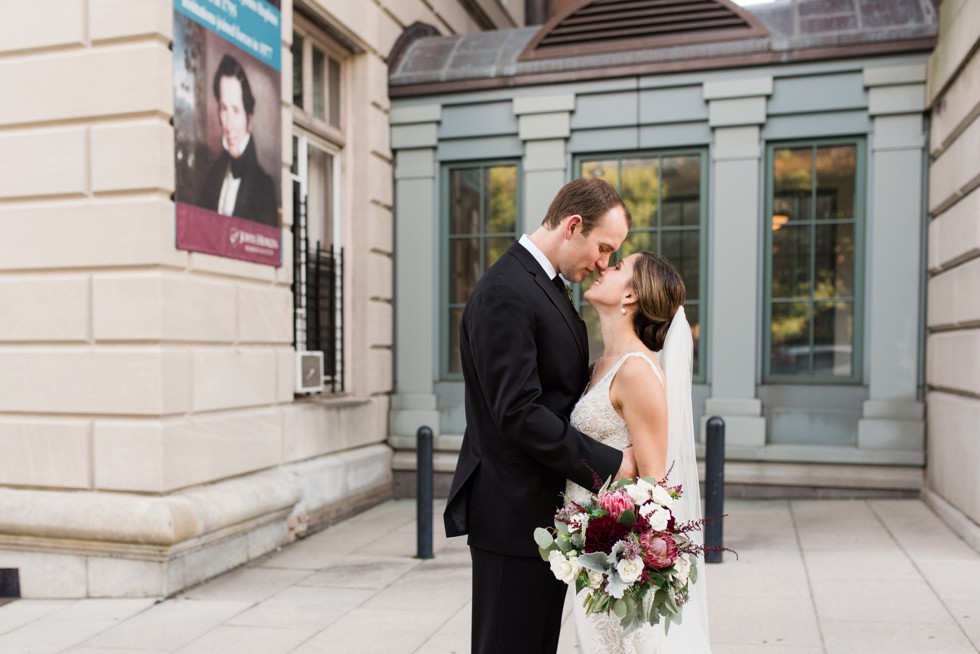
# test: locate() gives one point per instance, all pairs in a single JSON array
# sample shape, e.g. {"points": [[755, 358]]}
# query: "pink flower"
{"points": [[615, 502], [660, 550]]}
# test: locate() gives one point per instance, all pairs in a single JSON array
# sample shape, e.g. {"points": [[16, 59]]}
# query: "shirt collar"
{"points": [[538, 256]]}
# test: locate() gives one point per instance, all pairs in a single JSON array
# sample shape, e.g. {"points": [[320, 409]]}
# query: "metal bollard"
{"points": [[424, 491], [714, 488]]}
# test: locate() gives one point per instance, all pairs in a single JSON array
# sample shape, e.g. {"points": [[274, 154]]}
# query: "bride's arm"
{"points": [[640, 399]]}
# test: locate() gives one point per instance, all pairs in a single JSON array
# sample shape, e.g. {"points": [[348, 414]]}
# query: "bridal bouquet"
{"points": [[624, 546]]}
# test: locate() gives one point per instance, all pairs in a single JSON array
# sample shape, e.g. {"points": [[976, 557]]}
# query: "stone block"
{"points": [[128, 79], [955, 106], [285, 374], [737, 112], [48, 308], [75, 235], [739, 431], [112, 19], [316, 429], [128, 455], [380, 324], [117, 577], [894, 75], [954, 296], [123, 381], [380, 277], [419, 135], [904, 131], [899, 99], [50, 162], [32, 25], [415, 164], [544, 155], [379, 371], [45, 452], [426, 113], [953, 174], [377, 132], [378, 187], [381, 234], [738, 88], [133, 156], [532, 127], [953, 360], [265, 314], [880, 434], [737, 143], [544, 104], [941, 307], [224, 378], [232, 267], [162, 306], [954, 235], [47, 575]]}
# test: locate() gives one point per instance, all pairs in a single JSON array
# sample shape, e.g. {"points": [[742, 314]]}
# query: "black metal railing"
{"points": [[318, 298], [325, 311]]}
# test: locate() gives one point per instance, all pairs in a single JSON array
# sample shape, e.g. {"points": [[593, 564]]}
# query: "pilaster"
{"points": [[736, 111], [892, 417], [414, 140], [544, 125]]}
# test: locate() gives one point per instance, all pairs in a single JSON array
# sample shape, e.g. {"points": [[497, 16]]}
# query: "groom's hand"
{"points": [[628, 467]]}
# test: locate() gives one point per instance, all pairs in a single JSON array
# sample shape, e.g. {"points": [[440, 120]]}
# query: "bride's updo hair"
{"points": [[659, 292]]}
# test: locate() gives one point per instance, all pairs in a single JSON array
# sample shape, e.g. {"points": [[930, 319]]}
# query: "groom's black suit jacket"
{"points": [[524, 355]]}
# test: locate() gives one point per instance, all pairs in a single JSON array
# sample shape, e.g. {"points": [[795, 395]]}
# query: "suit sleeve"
{"points": [[501, 337]]}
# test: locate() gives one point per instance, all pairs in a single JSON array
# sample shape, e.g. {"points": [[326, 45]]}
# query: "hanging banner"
{"points": [[227, 127]]}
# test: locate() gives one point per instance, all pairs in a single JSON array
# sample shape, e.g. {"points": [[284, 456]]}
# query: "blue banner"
{"points": [[252, 25]]}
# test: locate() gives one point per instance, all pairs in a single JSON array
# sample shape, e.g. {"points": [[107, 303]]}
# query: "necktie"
{"points": [[560, 285]]}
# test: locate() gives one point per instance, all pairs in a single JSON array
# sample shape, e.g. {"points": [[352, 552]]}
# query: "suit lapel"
{"points": [[557, 298]]}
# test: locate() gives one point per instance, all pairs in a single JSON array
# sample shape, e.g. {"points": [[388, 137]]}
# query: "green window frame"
{"points": [[814, 268], [666, 192], [481, 219]]}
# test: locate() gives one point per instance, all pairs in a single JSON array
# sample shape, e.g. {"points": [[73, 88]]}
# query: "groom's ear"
{"points": [[572, 223]]}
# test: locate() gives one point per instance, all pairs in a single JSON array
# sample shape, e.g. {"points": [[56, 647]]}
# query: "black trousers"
{"points": [[517, 604]]}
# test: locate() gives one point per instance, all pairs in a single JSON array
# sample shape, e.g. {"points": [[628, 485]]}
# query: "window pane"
{"points": [[791, 261], [464, 268], [639, 184], [681, 248], [318, 89], [591, 320], [834, 261], [790, 331], [297, 51], [792, 182], [453, 328], [319, 210], [833, 339], [464, 213], [836, 177], [494, 248], [607, 169], [501, 210], [681, 191], [638, 242], [334, 88]]}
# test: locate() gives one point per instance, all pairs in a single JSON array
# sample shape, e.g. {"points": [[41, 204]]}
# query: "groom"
{"points": [[524, 353]]}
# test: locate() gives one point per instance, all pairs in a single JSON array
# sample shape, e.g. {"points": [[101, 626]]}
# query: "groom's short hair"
{"points": [[590, 197]]}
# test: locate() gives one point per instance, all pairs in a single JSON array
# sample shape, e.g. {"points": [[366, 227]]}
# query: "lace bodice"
{"points": [[595, 416]]}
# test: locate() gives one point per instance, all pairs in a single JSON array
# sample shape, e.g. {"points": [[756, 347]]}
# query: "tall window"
{"points": [[813, 289], [664, 193], [481, 223], [317, 171]]}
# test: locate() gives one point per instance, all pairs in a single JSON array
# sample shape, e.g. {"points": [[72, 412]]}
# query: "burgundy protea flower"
{"points": [[603, 533], [659, 549]]}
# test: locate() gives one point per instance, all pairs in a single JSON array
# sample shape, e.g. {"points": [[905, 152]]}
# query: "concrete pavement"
{"points": [[814, 576]]}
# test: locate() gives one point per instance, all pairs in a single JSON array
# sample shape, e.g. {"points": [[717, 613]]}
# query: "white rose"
{"points": [[595, 579], [661, 496], [683, 565], [637, 493], [630, 569], [564, 570], [656, 515]]}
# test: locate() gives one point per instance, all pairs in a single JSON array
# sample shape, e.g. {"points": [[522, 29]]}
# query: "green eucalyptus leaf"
{"points": [[543, 538], [628, 518], [620, 608]]}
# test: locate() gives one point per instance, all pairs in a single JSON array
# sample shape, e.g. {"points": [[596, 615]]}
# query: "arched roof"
{"points": [[574, 47]]}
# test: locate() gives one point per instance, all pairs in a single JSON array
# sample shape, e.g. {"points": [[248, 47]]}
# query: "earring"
{"points": [[622, 310]]}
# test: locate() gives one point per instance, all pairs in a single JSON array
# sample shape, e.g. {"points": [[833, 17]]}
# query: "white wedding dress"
{"points": [[595, 416]]}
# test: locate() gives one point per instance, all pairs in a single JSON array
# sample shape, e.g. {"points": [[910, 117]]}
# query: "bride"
{"points": [[635, 398]]}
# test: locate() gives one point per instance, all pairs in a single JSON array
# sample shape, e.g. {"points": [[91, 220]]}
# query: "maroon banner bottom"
{"points": [[202, 230]]}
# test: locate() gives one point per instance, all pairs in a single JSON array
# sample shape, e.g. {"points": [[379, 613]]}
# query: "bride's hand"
{"points": [[628, 467]]}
